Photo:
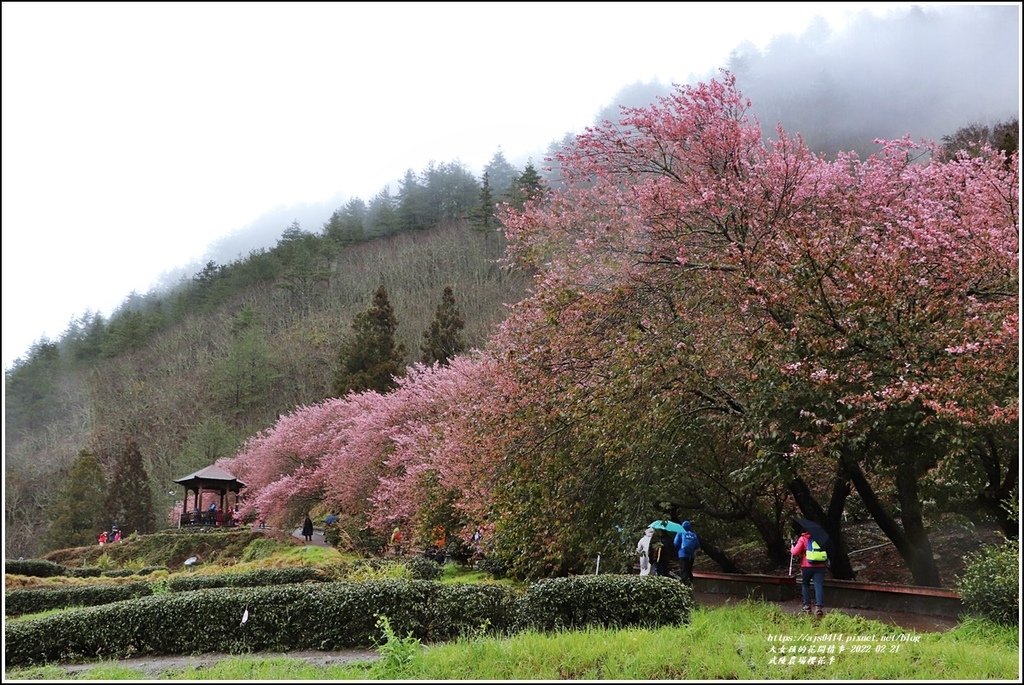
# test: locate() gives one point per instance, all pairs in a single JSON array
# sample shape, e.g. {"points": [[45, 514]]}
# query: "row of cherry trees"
{"points": [[721, 327]]}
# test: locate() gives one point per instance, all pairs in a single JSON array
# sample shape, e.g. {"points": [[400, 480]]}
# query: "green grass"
{"points": [[736, 641]]}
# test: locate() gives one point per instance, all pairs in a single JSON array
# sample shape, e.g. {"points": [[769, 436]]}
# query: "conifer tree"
{"points": [[501, 174], [79, 514], [483, 214], [443, 338], [130, 498], [371, 359], [527, 186]]}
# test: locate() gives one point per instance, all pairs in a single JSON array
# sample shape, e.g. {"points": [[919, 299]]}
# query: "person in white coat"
{"points": [[643, 548]]}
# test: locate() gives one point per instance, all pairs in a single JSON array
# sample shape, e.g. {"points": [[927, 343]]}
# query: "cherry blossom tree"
{"points": [[835, 316]]}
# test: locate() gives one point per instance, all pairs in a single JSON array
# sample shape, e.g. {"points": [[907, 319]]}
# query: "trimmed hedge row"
{"points": [[40, 568], [37, 568], [257, 578], [30, 601], [338, 615], [20, 602]]}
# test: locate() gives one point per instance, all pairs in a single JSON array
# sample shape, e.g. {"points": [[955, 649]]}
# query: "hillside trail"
{"points": [[318, 537]]}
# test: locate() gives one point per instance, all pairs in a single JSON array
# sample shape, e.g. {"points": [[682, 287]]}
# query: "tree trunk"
{"points": [[724, 561], [909, 544], [839, 559]]}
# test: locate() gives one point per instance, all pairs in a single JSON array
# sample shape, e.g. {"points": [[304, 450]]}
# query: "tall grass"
{"points": [[741, 641]]}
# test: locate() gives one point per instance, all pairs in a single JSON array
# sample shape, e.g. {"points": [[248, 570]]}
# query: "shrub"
{"points": [[338, 615], [38, 568], [333, 616], [609, 601], [257, 578], [990, 585], [422, 568], [20, 602], [491, 566], [85, 572]]}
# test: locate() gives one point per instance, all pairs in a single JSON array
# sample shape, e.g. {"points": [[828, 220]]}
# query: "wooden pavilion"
{"points": [[202, 484]]}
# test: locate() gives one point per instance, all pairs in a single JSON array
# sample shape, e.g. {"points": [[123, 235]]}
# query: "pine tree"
{"points": [[483, 214], [443, 338], [372, 358], [501, 174], [130, 499], [79, 514], [528, 186]]}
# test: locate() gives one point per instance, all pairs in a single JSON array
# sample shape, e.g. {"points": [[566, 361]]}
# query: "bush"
{"points": [[422, 568], [37, 568], [84, 572], [257, 578], [990, 585], [609, 601], [330, 616], [337, 615], [20, 602], [495, 568]]}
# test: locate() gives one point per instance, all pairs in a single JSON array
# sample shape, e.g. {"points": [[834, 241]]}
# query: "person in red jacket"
{"points": [[812, 566]]}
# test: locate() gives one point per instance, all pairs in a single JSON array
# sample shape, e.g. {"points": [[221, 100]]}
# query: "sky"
{"points": [[138, 135]]}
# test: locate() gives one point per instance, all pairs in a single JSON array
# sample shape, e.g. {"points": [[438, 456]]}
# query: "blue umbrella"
{"points": [[671, 526]]}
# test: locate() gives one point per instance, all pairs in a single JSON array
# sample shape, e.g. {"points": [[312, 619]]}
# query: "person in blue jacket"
{"points": [[687, 543]]}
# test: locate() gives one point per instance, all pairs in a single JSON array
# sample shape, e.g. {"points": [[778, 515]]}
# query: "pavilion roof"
{"points": [[212, 476]]}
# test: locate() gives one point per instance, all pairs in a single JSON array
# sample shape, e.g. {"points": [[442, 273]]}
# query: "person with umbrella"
{"points": [[810, 548]]}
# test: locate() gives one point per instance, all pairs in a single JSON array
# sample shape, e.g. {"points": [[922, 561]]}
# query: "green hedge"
{"points": [[337, 615], [609, 601], [18, 602], [257, 578], [84, 572], [33, 567]]}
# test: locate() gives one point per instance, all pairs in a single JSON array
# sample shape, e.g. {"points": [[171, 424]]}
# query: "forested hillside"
{"points": [[182, 378]]}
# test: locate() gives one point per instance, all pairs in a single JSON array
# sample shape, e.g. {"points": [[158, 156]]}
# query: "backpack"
{"points": [[816, 553]]}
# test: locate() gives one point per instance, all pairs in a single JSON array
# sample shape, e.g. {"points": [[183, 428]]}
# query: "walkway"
{"points": [[917, 622], [318, 537]]}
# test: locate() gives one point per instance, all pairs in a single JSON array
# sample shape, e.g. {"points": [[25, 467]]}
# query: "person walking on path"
{"points": [[812, 567], [643, 548], [307, 529], [687, 543]]}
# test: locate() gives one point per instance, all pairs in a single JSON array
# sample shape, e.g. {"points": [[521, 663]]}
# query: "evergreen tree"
{"points": [[500, 173], [130, 498], [443, 338], [411, 210], [79, 514], [371, 359], [245, 378], [528, 186], [483, 214], [382, 215], [347, 225]]}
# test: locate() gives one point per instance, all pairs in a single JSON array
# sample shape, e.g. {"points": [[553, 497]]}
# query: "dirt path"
{"points": [[152, 667]]}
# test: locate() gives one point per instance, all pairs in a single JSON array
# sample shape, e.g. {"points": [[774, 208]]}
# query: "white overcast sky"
{"points": [[137, 134]]}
